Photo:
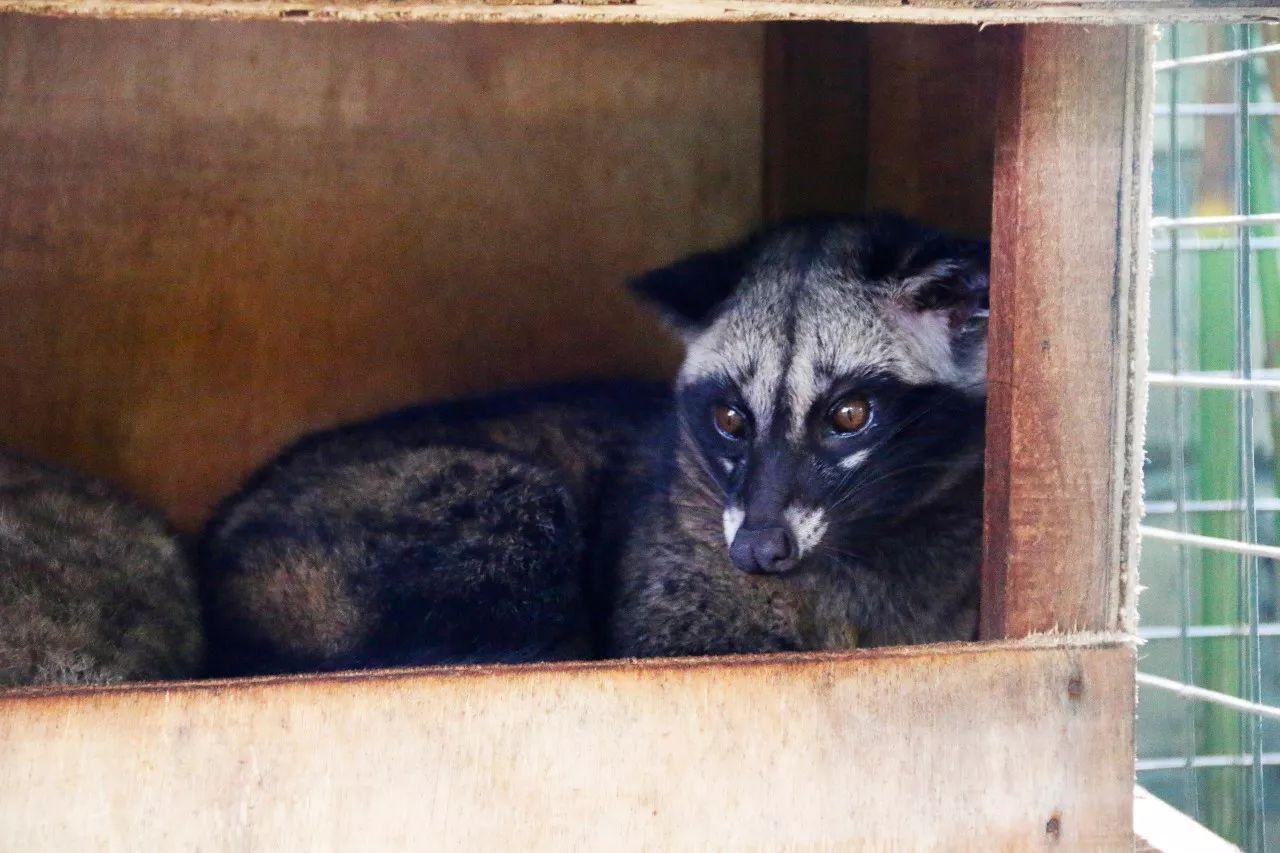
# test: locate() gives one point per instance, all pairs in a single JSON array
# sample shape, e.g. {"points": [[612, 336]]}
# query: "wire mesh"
{"points": [[1210, 672]]}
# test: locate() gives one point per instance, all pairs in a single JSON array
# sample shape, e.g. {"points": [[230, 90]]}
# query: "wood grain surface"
{"points": [[215, 236], [670, 11], [1067, 340], [817, 76], [978, 747], [866, 117], [931, 138]]}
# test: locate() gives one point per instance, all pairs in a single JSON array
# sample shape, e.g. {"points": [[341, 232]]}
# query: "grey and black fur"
{"points": [[617, 519], [93, 588], [461, 532]]}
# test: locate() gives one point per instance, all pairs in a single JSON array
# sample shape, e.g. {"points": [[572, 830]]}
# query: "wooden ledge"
{"points": [[667, 11], [911, 747], [780, 662]]}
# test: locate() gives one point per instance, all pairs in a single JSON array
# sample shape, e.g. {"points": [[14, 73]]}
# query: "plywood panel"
{"points": [[892, 117], [666, 11], [1067, 335], [816, 121], [963, 747], [217, 235], [931, 137]]}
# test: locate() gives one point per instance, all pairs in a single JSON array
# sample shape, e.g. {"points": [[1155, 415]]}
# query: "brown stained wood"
{"points": [[670, 11], [816, 120], [1068, 283], [961, 747], [932, 131], [215, 236], [896, 117]]}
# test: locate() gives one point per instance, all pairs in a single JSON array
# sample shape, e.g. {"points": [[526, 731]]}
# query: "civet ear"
{"points": [[949, 275], [689, 293]]}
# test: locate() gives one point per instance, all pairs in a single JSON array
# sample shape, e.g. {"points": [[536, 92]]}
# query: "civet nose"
{"points": [[769, 550]]}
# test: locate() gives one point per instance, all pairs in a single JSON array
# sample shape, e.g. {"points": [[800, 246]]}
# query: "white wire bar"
{"points": [[1233, 231], [1269, 759], [1195, 243], [1212, 543], [1164, 223], [1248, 450], [1211, 58], [1210, 381], [1258, 373], [1200, 694], [1198, 110], [1262, 504], [1199, 632], [1191, 790], [1175, 239]]}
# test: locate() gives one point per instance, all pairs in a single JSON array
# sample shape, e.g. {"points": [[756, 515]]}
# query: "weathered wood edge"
{"points": [[832, 752], [1131, 366], [980, 12], [639, 666], [1065, 378]]}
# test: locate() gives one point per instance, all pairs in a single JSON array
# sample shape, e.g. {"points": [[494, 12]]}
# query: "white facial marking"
{"points": [[803, 390], [732, 521], [837, 332], [927, 337], [853, 460], [728, 465], [792, 329], [747, 344], [807, 525]]}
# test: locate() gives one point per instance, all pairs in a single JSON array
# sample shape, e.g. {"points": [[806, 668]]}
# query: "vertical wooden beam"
{"points": [[1067, 345], [815, 119]]}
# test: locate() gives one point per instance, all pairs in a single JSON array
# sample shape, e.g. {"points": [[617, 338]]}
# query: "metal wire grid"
{"points": [[1183, 232]]}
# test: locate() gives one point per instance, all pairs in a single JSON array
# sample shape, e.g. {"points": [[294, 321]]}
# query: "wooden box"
{"points": [[224, 223]]}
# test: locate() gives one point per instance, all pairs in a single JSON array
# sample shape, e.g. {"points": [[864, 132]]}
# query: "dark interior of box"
{"points": [[217, 236]]}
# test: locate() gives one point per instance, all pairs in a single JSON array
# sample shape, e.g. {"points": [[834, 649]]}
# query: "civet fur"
{"points": [[93, 588], [600, 519]]}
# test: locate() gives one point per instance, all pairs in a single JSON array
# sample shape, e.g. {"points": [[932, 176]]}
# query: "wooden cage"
{"points": [[224, 223]]}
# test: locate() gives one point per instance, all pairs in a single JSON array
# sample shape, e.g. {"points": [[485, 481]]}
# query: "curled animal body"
{"points": [[812, 480], [94, 589]]}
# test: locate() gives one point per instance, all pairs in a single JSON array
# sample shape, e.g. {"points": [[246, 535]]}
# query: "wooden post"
{"points": [[1069, 266]]}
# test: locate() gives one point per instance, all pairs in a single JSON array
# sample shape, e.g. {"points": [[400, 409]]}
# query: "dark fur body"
{"points": [[593, 520], [463, 532], [93, 589]]}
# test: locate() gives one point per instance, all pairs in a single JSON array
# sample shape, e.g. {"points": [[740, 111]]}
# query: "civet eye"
{"points": [[730, 422], [850, 414]]}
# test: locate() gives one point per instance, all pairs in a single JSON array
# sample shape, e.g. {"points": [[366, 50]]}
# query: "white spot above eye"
{"points": [[807, 525], [733, 517], [853, 460], [928, 334]]}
